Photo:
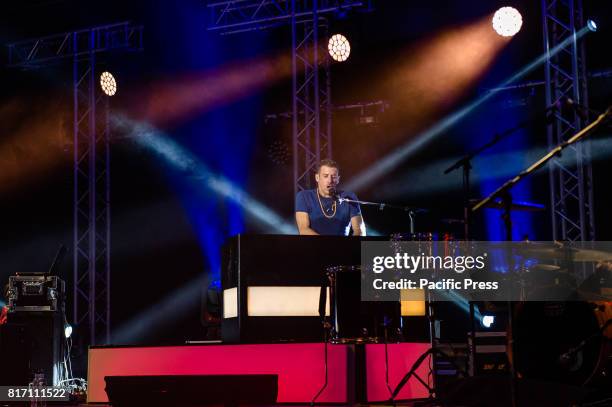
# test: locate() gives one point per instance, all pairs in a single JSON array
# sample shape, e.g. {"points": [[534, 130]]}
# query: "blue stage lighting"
{"points": [[184, 161], [592, 25]]}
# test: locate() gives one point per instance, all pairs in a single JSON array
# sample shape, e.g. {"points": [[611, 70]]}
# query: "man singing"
{"points": [[320, 211]]}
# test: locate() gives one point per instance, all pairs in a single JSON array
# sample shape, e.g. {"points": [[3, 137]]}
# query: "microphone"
{"points": [[335, 195]]}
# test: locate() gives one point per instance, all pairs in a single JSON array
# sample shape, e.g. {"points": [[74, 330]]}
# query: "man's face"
{"points": [[327, 179]]}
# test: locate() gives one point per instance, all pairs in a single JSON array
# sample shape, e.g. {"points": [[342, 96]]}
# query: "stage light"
{"points": [[339, 47], [67, 330], [507, 21], [108, 83], [487, 321], [399, 155], [183, 160], [592, 25]]}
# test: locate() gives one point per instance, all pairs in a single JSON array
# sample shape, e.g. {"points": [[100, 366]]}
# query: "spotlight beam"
{"points": [[167, 102], [183, 160], [160, 314], [425, 180], [393, 160]]}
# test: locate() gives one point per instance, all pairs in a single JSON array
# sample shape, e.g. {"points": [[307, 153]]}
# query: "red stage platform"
{"points": [[300, 367]]}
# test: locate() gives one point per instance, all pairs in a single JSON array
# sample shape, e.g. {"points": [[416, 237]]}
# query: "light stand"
{"points": [[433, 351]]}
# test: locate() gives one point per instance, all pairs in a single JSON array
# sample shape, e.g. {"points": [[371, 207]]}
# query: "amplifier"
{"points": [[34, 292]]}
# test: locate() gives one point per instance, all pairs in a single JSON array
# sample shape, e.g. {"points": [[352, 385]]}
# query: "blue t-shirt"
{"points": [[339, 224]]}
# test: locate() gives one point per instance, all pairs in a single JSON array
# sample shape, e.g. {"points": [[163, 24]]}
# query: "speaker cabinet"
{"points": [[230, 390], [31, 343]]}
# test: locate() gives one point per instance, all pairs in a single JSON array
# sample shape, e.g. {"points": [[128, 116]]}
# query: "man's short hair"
{"points": [[328, 163]]}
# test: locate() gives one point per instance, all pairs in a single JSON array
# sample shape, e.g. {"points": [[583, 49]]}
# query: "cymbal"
{"points": [[544, 267], [515, 206], [563, 253]]}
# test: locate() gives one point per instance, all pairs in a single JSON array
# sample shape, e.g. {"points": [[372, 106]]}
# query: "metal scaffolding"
{"points": [[571, 187], [91, 205], [234, 16], [311, 87], [312, 98]]}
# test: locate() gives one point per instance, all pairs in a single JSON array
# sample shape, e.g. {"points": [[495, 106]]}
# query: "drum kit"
{"points": [[548, 339], [356, 321], [567, 341]]}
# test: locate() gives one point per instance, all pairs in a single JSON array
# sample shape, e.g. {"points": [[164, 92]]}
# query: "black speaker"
{"points": [[31, 343], [230, 390]]}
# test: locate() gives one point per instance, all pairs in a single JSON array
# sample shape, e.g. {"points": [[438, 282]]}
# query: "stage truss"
{"points": [[571, 186], [311, 86], [91, 136]]}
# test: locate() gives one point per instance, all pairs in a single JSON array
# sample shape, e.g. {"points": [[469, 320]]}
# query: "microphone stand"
{"points": [[503, 190], [504, 193], [466, 164], [412, 211], [59, 256]]}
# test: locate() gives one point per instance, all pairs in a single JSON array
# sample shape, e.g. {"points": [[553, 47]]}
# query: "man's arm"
{"points": [[303, 224], [358, 225]]}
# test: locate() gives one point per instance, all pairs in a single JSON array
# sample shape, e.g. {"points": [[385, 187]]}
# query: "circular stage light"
{"points": [[108, 83], [592, 25], [67, 330], [507, 21], [339, 47], [487, 321]]}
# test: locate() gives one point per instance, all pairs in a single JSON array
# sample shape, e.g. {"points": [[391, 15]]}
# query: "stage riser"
{"points": [[300, 367]]}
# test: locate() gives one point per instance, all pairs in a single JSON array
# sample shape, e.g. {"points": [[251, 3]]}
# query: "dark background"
{"points": [[166, 233]]}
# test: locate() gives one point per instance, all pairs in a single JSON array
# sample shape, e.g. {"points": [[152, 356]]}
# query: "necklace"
{"points": [[333, 208]]}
